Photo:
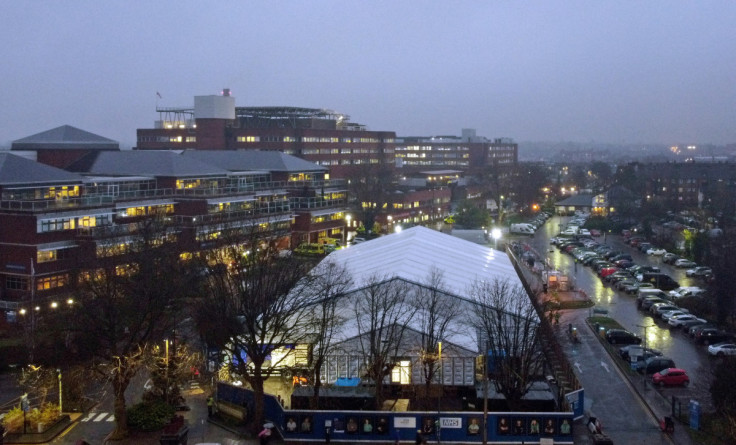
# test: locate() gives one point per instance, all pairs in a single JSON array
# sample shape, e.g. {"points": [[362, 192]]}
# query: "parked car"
{"points": [[701, 272], [681, 320], [656, 364], [622, 336], [670, 258], [671, 376], [721, 349], [667, 315], [687, 324], [686, 291], [656, 251], [621, 284], [659, 280], [648, 302], [713, 336], [595, 232], [606, 271], [637, 351], [684, 263], [636, 286], [694, 330]]}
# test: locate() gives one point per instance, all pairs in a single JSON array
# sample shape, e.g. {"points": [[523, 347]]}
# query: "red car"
{"points": [[671, 376], [606, 271]]}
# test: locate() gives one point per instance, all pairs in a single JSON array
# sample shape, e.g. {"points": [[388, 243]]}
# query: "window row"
{"points": [[307, 139]]}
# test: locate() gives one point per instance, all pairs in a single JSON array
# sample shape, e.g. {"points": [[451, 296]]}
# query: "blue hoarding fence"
{"points": [[381, 426]]}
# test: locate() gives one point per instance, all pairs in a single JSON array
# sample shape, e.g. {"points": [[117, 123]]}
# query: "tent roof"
{"points": [[414, 253]]}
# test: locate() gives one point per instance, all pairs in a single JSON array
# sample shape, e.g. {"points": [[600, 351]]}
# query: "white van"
{"points": [[652, 292], [522, 228]]}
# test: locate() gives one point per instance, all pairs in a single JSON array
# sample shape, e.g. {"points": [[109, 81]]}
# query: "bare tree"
{"points": [[508, 326], [382, 309], [370, 186], [256, 309], [130, 302], [436, 310], [330, 284]]}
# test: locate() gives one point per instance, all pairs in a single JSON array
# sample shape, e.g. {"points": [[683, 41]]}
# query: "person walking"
{"points": [[210, 405]]}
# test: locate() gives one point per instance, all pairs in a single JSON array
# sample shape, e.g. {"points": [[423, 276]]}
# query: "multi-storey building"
{"points": [[324, 137], [469, 153], [56, 223], [688, 185]]}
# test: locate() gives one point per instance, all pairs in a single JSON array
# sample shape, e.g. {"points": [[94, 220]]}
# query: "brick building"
{"points": [[56, 223], [324, 137]]}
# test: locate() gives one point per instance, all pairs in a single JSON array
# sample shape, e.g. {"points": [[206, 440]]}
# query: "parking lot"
{"points": [[622, 307]]}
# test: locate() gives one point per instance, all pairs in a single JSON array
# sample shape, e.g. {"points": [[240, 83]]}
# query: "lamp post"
{"points": [[439, 394], [496, 234], [58, 374], [645, 345], [485, 395]]}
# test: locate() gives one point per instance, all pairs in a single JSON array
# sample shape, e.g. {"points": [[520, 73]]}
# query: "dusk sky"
{"points": [[616, 71]]}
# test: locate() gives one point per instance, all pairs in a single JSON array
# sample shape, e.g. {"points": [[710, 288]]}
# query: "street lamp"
{"points": [[496, 234], [58, 373]]}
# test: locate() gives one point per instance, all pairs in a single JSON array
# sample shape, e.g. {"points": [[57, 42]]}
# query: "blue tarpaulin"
{"points": [[344, 381]]}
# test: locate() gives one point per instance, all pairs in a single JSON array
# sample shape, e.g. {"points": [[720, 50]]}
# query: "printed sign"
{"points": [[405, 422], [451, 422]]}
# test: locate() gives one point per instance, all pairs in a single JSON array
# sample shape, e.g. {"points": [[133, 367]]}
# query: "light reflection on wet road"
{"points": [[622, 307]]}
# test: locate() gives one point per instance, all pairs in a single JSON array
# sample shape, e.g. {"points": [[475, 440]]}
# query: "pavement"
{"points": [[605, 399]]}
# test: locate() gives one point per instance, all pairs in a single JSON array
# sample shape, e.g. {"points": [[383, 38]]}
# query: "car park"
{"points": [[722, 349], [622, 336], [684, 263], [671, 377]]}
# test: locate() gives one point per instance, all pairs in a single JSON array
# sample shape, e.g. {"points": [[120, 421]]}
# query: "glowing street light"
{"points": [[495, 234]]}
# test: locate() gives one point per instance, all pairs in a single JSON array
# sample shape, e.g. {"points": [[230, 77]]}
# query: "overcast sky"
{"points": [[604, 71]]}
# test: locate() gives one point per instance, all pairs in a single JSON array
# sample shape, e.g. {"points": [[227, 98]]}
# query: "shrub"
{"points": [[150, 416], [46, 415]]}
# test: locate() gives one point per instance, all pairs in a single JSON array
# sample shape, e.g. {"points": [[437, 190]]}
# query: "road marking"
{"points": [[605, 366], [111, 418], [89, 416], [100, 417], [577, 365]]}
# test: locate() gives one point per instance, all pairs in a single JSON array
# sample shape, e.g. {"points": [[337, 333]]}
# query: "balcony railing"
{"points": [[316, 203], [94, 200], [263, 209]]}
